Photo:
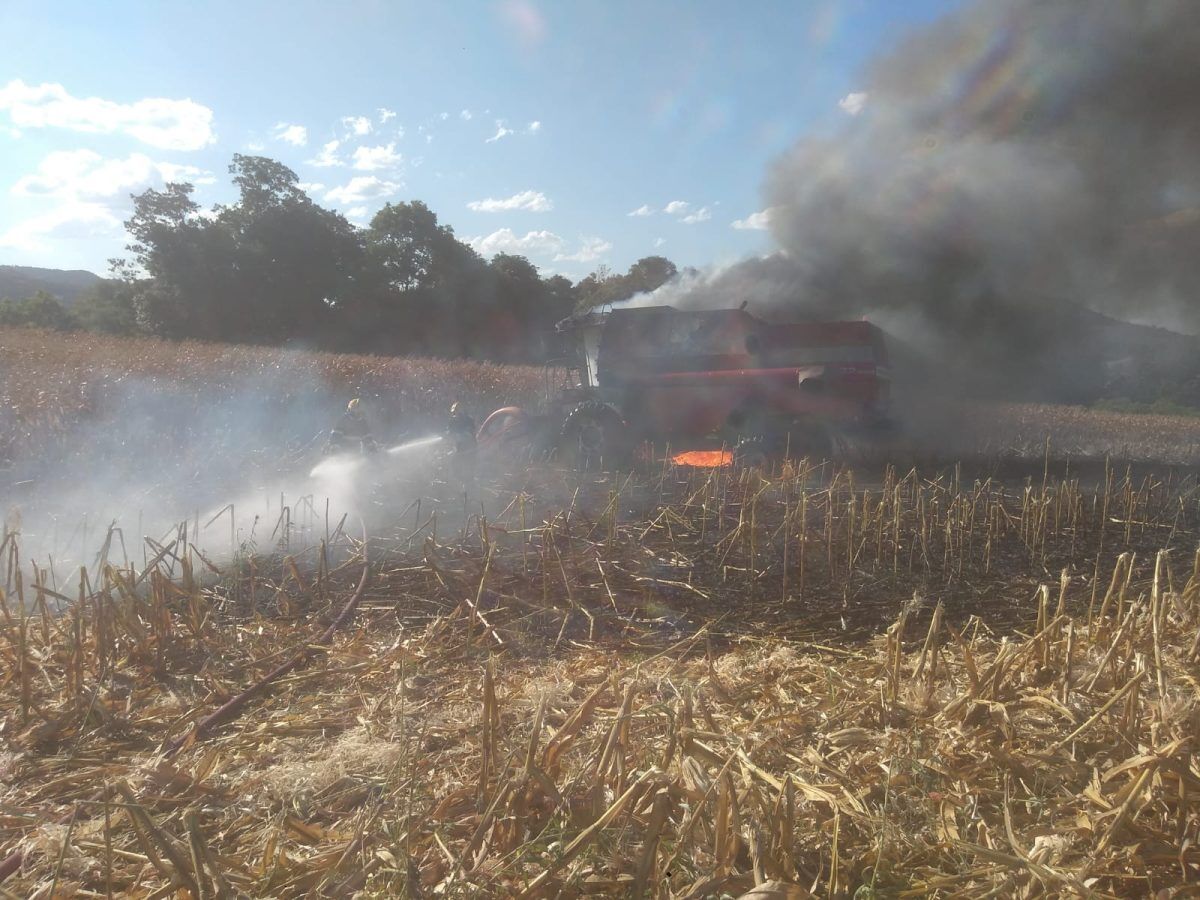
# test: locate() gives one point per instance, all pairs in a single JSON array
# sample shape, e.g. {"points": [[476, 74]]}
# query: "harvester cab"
{"points": [[575, 378]]}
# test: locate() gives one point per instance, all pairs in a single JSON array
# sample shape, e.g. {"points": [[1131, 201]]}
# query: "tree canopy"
{"points": [[275, 267], [41, 310]]}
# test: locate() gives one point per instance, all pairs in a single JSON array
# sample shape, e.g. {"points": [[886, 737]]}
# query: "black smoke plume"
{"points": [[1019, 166]]}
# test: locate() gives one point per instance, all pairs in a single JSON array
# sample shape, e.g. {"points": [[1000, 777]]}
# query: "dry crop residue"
{"points": [[646, 688]]}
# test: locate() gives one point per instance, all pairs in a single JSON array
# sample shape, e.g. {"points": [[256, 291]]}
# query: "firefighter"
{"points": [[352, 431], [460, 429]]}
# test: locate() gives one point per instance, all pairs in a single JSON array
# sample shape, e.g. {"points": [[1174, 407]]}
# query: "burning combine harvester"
{"points": [[718, 383]]}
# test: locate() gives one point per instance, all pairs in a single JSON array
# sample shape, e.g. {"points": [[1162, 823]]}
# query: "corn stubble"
{"points": [[677, 684]]}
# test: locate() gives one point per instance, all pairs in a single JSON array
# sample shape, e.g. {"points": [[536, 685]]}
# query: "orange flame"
{"points": [[704, 459]]}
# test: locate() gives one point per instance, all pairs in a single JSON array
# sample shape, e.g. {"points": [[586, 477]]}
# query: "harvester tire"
{"points": [[751, 453], [593, 436], [811, 441]]}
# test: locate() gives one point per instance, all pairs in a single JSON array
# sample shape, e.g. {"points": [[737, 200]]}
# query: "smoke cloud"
{"points": [[1020, 163], [242, 466]]}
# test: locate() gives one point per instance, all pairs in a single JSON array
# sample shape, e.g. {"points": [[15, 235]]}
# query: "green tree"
{"points": [[265, 183], [560, 296], [42, 310], [649, 274], [170, 276], [604, 286], [517, 316], [272, 267], [412, 250], [108, 307], [293, 262], [425, 284], [596, 289]]}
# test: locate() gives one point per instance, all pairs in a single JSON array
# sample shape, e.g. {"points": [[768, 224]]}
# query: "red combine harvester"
{"points": [[705, 379]]}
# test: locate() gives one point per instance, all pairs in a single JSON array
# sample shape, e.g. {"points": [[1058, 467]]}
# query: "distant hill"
{"points": [[19, 282], [1061, 353]]}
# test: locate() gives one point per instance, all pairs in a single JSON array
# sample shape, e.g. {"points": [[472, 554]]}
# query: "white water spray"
{"points": [[414, 445], [336, 467]]}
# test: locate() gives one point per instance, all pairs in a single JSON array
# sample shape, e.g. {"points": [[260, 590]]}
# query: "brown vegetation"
{"points": [[663, 684], [1076, 432], [50, 382]]}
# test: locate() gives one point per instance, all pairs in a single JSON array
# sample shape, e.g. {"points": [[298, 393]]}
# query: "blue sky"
{"points": [[528, 126]]}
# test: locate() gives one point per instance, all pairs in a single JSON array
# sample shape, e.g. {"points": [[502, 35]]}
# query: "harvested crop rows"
{"points": [[668, 683]]}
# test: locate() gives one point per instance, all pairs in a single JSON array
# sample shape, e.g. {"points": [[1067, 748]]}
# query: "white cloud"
{"points": [[157, 121], [84, 175], [358, 212], [593, 248], [385, 114], [368, 159], [466, 115], [643, 210], [328, 156], [534, 127], [255, 146], [177, 172], [703, 214], [444, 116], [360, 189], [528, 201], [853, 103], [754, 222], [310, 187], [68, 221], [539, 243], [359, 125], [501, 132], [506, 240], [658, 242], [296, 135], [90, 194], [677, 207]]}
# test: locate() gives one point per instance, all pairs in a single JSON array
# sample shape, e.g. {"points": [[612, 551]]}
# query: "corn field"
{"points": [[57, 391], [52, 384], [669, 683]]}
